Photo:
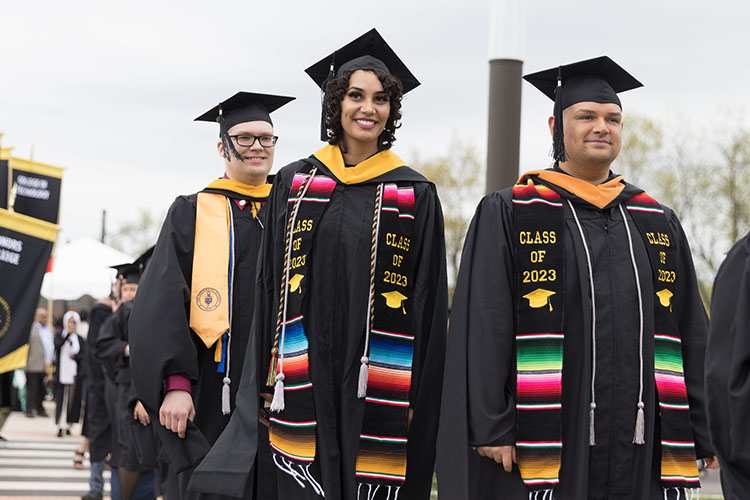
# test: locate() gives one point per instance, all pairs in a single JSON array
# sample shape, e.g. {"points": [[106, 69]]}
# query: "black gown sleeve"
{"points": [[430, 324], [160, 338], [227, 469], [160, 333], [728, 370], [693, 326], [475, 412], [110, 345]]}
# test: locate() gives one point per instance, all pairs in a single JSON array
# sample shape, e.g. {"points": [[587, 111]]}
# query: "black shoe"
{"points": [[29, 414], [59, 433], [67, 432], [92, 495]]}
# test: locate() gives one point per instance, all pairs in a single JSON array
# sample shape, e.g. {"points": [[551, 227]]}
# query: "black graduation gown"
{"points": [[479, 389], [96, 417], [335, 314], [109, 349], [162, 342], [728, 371]]}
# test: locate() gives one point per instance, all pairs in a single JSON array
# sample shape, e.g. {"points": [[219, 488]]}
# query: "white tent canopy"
{"points": [[81, 267]]}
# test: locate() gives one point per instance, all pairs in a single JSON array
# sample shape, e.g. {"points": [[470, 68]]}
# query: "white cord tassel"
{"points": [[592, 406], [277, 404], [640, 425], [362, 385], [225, 409]]}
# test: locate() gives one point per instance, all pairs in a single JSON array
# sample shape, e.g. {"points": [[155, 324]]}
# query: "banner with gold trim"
{"points": [[35, 189], [25, 247]]}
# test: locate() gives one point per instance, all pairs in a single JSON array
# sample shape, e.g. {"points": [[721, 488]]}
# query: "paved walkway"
{"points": [[36, 464]]}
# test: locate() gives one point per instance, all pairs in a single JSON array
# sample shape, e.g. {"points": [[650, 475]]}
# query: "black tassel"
{"points": [[226, 141], [558, 140], [323, 121]]}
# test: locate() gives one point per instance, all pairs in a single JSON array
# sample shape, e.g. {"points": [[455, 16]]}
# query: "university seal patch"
{"points": [[208, 299]]}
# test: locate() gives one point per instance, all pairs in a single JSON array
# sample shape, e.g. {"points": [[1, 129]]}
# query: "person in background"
{"points": [[728, 370], [35, 371], [96, 424], [67, 350], [134, 443]]}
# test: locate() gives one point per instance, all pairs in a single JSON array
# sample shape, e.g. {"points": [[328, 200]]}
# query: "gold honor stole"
{"points": [[213, 261], [539, 347]]}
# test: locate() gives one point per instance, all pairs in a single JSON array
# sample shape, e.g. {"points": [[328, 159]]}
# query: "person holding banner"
{"points": [[191, 319]]}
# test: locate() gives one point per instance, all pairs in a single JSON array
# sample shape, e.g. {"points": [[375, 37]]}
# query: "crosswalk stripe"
{"points": [[36, 464]]}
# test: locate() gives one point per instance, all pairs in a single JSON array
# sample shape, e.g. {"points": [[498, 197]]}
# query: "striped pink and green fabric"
{"points": [[539, 361]]}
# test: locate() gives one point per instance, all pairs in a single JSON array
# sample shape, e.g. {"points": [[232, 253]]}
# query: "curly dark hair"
{"points": [[336, 90]]}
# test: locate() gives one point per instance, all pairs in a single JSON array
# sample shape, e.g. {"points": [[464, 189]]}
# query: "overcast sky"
{"points": [[109, 90]]}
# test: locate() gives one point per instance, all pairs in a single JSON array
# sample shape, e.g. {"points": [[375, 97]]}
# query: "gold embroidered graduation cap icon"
{"points": [[539, 298], [395, 299], [665, 298], [295, 282]]}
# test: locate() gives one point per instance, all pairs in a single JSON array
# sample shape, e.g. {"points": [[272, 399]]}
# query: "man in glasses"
{"points": [[191, 320]]}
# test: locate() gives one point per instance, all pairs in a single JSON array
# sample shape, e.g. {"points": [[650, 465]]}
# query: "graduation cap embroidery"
{"points": [[539, 298], [395, 299], [295, 282], [665, 298]]}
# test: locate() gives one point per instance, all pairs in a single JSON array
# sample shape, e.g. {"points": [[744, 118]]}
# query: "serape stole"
{"points": [[381, 459], [539, 341], [540, 255], [678, 465], [292, 430]]}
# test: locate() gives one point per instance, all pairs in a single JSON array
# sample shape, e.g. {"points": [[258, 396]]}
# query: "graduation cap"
{"points": [[593, 80], [132, 272], [395, 299], [368, 52], [539, 298], [665, 298], [240, 108], [295, 282]]}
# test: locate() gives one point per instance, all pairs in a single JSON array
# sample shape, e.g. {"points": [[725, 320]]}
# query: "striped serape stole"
{"points": [[381, 459], [678, 466], [292, 433], [293, 436], [540, 257]]}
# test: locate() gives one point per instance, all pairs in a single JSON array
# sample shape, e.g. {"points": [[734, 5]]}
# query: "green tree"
{"points": [[457, 175], [700, 177], [137, 235]]}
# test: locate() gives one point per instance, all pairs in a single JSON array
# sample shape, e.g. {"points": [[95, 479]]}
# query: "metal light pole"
{"points": [[507, 22]]}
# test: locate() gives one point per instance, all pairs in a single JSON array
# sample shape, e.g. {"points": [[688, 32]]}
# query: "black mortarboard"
{"points": [[593, 80], [240, 108], [368, 52], [133, 271]]}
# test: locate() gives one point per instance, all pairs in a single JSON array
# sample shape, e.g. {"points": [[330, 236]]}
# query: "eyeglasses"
{"points": [[267, 141]]}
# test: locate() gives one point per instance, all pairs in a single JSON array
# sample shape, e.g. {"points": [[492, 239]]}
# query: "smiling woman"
{"points": [[363, 110]]}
